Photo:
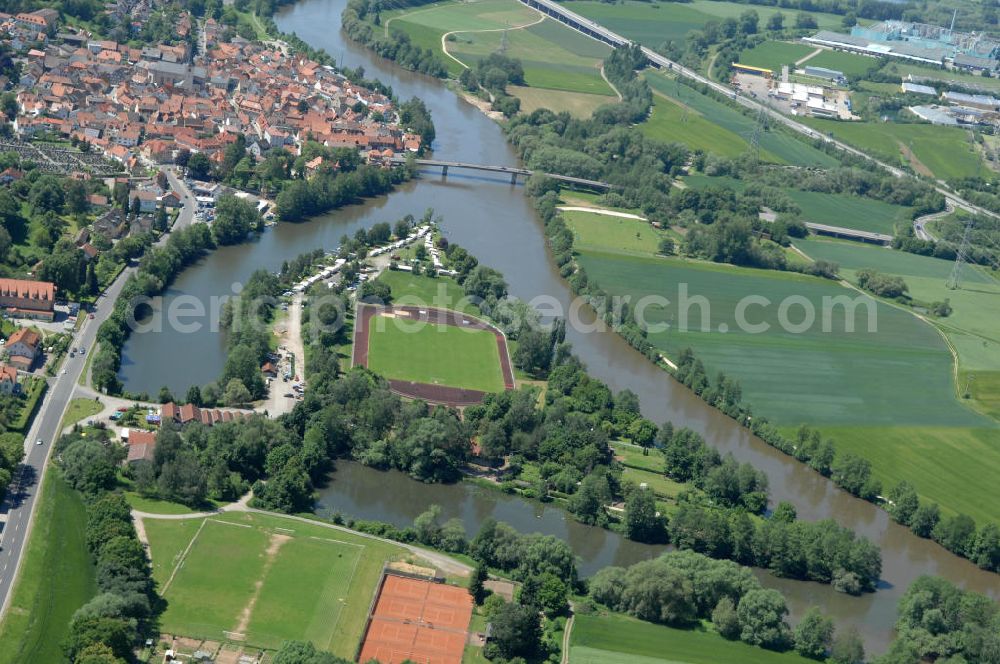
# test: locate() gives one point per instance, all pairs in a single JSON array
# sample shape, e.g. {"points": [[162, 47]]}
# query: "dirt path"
{"points": [[444, 37], [808, 57], [606, 213], [566, 635], [917, 165], [274, 546], [610, 84]]}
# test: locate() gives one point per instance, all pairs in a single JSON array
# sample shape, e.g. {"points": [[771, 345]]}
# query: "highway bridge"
{"points": [[513, 171], [600, 33]]}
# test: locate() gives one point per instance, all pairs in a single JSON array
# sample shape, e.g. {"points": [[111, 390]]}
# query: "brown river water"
{"points": [[495, 221]]}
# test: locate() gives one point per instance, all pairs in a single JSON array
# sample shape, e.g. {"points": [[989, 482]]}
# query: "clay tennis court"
{"points": [[432, 393], [417, 620]]}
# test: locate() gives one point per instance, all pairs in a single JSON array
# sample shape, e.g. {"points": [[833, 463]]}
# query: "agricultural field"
{"points": [[653, 23], [849, 63], [282, 579], [554, 56], [857, 212], [671, 122], [435, 354], [618, 639], [578, 104], [774, 54], [776, 146], [901, 372], [596, 232], [940, 152], [56, 578]]}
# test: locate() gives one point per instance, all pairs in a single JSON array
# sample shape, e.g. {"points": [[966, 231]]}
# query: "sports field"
{"points": [[263, 579], [435, 354], [618, 639], [941, 152], [857, 212], [774, 54], [653, 23], [776, 146], [673, 122], [597, 232]]}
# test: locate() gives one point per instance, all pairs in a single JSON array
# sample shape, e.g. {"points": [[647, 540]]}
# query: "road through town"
{"points": [[17, 508]]}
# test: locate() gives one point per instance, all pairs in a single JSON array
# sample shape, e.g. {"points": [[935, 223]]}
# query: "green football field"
{"points": [[435, 354], [267, 578], [618, 639]]}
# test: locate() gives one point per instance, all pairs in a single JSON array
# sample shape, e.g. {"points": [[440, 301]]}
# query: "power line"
{"points": [[955, 280]]}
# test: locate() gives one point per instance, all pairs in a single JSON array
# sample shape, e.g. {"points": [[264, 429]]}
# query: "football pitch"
{"points": [[261, 580]]}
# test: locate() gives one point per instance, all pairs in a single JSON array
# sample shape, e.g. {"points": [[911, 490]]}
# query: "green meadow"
{"points": [[435, 354], [901, 372], [594, 232], [857, 212], [653, 23], [849, 63], [281, 579], [554, 56], [776, 145], [942, 152], [56, 577], [774, 54], [619, 639], [671, 122]]}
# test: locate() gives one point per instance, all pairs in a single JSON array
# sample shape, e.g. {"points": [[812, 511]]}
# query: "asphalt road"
{"points": [[552, 8], [17, 509]]}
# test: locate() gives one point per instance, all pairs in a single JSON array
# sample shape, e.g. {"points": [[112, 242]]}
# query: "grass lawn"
{"points": [[776, 145], [157, 506], [80, 409], [944, 152], [282, 579], [596, 232], [554, 56], [437, 354], [774, 54], [577, 104], [849, 63], [441, 292], [668, 122], [939, 73], [619, 639], [33, 388], [56, 578]]}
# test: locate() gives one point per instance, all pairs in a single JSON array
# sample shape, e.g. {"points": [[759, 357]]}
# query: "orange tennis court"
{"points": [[417, 620]]}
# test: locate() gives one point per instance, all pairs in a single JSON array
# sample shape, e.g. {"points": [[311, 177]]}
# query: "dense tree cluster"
{"points": [[11, 455], [728, 483], [362, 21], [883, 285], [235, 218], [301, 199]]}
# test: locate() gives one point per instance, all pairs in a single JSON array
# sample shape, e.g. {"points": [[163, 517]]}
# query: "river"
{"points": [[495, 221]]}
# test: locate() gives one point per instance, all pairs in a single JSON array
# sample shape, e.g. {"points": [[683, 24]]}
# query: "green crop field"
{"points": [[604, 232], [653, 23], [902, 372], [436, 354], [56, 578], [866, 214], [773, 54], [849, 63], [944, 152], [670, 123], [619, 639], [776, 146], [554, 56], [282, 579]]}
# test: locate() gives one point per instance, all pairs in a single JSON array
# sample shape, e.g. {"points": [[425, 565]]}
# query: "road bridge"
{"points": [[513, 171]]}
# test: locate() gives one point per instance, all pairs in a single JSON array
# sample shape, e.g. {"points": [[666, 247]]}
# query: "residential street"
{"points": [[17, 509]]}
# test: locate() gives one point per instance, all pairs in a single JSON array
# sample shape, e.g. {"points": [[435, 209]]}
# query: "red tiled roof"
{"points": [[32, 290]]}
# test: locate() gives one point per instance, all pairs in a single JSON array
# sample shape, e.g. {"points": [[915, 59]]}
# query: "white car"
{"points": [[63, 372], [39, 442]]}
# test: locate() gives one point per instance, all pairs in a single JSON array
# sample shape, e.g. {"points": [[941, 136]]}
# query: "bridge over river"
{"points": [[511, 170]]}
